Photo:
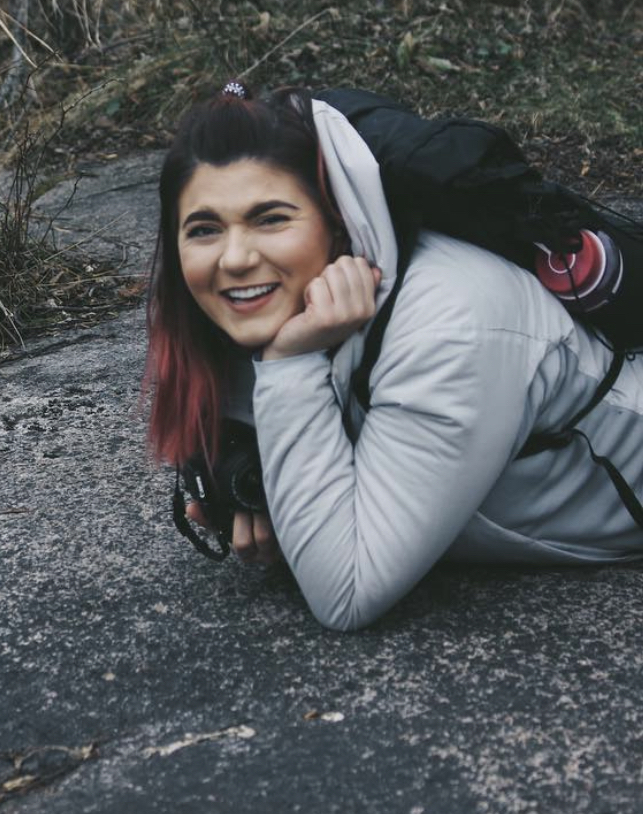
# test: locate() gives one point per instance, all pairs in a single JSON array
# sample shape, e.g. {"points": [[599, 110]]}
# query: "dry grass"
{"points": [[43, 289]]}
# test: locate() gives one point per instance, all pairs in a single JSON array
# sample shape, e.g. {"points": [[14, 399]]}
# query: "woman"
{"points": [[276, 249]]}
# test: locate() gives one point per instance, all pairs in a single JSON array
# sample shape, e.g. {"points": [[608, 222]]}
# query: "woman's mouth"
{"points": [[250, 297]]}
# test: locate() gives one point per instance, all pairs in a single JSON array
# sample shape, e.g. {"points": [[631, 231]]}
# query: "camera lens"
{"points": [[247, 486]]}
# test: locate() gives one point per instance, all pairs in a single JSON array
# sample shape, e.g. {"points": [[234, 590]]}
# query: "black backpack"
{"points": [[468, 179]]}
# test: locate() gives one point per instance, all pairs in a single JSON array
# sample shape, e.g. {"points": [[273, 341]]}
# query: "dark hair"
{"points": [[187, 353]]}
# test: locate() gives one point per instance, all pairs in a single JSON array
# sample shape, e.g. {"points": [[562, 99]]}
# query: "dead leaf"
{"points": [[17, 783], [440, 64], [332, 717], [137, 83], [49, 763], [405, 50], [244, 732], [263, 24]]}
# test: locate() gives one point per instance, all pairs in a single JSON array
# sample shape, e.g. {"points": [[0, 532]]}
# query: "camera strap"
{"points": [[183, 525]]}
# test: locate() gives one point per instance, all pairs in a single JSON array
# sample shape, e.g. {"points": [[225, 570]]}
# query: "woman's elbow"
{"points": [[342, 593], [343, 617]]}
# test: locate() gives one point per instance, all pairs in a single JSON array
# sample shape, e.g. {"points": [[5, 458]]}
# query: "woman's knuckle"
{"points": [[262, 537], [242, 544]]}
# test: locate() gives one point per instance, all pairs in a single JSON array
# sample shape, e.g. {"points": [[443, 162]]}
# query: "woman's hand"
{"points": [[337, 303], [253, 538]]}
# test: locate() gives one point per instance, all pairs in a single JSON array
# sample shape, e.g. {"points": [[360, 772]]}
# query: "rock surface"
{"points": [[110, 210], [137, 676]]}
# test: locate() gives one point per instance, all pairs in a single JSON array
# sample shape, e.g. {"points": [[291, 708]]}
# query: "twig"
{"points": [[81, 281], [61, 209], [15, 332], [79, 309], [28, 31], [10, 88], [16, 44], [281, 44], [597, 188], [127, 41], [627, 10], [89, 237], [556, 12]]}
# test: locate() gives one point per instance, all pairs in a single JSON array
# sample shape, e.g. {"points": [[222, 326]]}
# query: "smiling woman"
{"points": [[277, 253]]}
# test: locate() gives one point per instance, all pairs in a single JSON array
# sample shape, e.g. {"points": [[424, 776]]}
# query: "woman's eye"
{"points": [[272, 220], [203, 230]]}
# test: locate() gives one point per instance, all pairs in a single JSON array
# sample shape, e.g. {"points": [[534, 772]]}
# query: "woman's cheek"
{"points": [[194, 267]]}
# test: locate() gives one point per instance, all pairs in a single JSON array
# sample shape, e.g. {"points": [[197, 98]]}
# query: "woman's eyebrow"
{"points": [[264, 206], [201, 215], [254, 212]]}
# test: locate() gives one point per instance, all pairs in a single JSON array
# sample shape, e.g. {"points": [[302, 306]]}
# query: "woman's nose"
{"points": [[238, 253]]}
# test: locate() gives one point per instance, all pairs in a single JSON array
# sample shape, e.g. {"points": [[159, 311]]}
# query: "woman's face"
{"points": [[250, 240]]}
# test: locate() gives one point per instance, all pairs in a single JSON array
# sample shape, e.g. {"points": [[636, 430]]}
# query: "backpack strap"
{"points": [[556, 440], [406, 239], [625, 491], [540, 441]]}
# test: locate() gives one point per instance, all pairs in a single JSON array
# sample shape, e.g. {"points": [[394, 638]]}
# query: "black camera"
{"points": [[234, 483]]}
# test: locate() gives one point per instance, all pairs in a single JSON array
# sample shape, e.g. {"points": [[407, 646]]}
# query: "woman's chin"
{"points": [[253, 340], [257, 332]]}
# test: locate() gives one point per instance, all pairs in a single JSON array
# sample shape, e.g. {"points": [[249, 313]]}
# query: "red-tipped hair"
{"points": [[186, 396]]}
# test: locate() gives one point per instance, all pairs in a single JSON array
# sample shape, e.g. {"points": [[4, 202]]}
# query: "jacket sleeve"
{"points": [[361, 525]]}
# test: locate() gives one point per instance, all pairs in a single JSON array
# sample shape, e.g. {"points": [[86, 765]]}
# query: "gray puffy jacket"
{"points": [[477, 356]]}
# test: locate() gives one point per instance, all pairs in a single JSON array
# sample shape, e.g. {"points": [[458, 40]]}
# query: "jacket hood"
{"points": [[355, 180]]}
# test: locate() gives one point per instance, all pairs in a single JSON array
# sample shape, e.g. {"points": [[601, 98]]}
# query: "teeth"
{"points": [[251, 292]]}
